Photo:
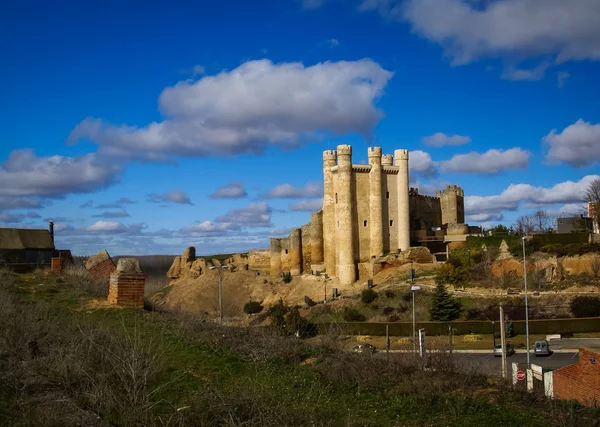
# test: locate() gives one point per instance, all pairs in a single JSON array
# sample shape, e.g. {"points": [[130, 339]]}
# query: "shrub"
{"points": [[393, 318], [450, 273], [402, 308], [253, 307], [353, 315], [388, 310], [287, 277], [407, 297], [583, 306], [368, 296], [277, 314], [298, 325], [389, 293]]}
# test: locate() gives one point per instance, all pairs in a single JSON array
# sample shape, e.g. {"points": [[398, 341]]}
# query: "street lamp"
{"points": [[413, 289], [220, 291], [526, 305]]}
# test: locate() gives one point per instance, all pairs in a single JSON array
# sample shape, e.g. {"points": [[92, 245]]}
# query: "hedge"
{"points": [[552, 326]]}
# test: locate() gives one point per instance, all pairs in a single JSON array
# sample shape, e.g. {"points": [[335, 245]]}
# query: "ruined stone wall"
{"points": [[316, 237], [259, 260], [286, 261], [306, 247]]}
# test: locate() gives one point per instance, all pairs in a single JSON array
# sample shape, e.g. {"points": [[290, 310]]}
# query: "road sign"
{"points": [[422, 342], [520, 375]]}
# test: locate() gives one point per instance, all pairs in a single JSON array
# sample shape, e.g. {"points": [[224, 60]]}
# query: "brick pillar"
{"points": [[55, 267], [126, 286], [101, 265]]}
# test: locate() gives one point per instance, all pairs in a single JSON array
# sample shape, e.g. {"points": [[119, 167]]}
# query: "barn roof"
{"points": [[23, 238]]}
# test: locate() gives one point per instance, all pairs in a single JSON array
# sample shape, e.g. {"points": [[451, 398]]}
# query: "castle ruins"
{"points": [[368, 211]]}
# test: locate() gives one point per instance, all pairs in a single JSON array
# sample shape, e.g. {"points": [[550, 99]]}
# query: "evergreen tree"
{"points": [[444, 307]]}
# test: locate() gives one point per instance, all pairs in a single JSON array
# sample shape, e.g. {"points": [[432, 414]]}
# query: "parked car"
{"points": [[498, 350], [541, 348], [364, 348]]}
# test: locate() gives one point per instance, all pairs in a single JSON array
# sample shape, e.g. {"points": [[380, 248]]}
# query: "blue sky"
{"points": [[145, 127]]}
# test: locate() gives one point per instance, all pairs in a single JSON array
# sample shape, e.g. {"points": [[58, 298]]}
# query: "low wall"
{"points": [[553, 326]]}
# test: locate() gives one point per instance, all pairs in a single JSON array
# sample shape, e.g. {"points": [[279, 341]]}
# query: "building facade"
{"points": [[368, 211]]}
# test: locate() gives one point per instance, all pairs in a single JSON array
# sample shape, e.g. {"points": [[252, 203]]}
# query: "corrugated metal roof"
{"points": [[23, 238]]}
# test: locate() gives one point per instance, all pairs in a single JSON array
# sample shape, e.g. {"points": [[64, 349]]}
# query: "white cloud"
{"points": [[483, 217], [333, 43], [491, 162], [110, 226], [288, 191], [173, 196], [208, 228], [112, 214], [511, 198], [24, 174], [440, 139], [530, 74], [245, 110], [469, 30], [577, 145], [561, 78], [306, 205], [233, 190], [420, 162], [253, 215]]}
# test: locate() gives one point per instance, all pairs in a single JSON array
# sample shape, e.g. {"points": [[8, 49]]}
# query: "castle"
{"points": [[368, 211]]}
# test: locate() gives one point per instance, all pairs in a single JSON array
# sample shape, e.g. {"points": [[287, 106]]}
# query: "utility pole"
{"points": [[503, 342], [526, 305]]}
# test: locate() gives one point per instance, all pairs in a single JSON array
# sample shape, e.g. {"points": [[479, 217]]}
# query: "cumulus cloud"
{"points": [[114, 214], [24, 174], [491, 162], [8, 203], [483, 217], [245, 110], [530, 74], [109, 226], [511, 198], [577, 145], [17, 218], [173, 196], [306, 205], [288, 191], [253, 215], [115, 205], [420, 162], [233, 190], [440, 139], [472, 30], [208, 228]]}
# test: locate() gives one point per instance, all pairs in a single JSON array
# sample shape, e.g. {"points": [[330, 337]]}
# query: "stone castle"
{"points": [[368, 211]]}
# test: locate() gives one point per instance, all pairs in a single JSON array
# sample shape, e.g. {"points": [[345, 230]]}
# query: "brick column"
{"points": [[100, 265], [55, 267], [127, 284]]}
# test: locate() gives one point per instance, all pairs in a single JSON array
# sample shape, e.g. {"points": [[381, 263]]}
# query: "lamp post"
{"points": [[413, 289], [526, 305], [220, 291]]}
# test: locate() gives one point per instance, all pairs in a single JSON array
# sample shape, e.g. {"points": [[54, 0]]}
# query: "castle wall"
{"points": [[329, 221], [452, 204], [306, 247], [390, 211], [425, 211], [316, 237], [375, 223], [401, 160], [295, 252], [345, 203], [361, 214], [276, 265]]}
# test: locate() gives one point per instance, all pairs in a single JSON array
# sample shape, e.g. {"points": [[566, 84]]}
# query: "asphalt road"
{"points": [[488, 363]]}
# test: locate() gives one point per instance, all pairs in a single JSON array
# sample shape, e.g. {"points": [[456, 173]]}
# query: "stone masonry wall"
{"points": [[581, 381]]}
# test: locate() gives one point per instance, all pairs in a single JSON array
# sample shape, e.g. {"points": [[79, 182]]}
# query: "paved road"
{"points": [[575, 343], [488, 363]]}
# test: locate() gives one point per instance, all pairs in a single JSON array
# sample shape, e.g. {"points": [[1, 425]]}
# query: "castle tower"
{"points": [[295, 252], [387, 160], [275, 257], [329, 222], [316, 237], [401, 158], [452, 205], [346, 268], [375, 202]]}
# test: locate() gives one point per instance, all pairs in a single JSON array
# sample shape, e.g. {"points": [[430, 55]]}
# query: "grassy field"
{"points": [[68, 359]]}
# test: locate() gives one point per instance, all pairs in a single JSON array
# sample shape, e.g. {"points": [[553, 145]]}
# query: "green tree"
{"points": [[298, 325], [277, 315], [444, 307]]}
